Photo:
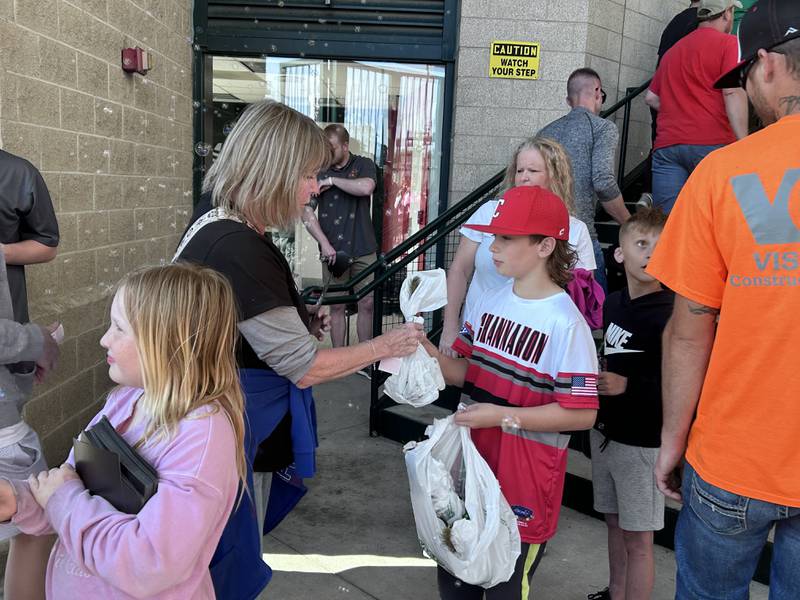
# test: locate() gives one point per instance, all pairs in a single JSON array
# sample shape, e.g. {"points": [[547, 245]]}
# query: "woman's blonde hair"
{"points": [[557, 163], [184, 319], [262, 164]]}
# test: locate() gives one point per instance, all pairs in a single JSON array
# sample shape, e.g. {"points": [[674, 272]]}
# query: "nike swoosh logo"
{"points": [[609, 351]]}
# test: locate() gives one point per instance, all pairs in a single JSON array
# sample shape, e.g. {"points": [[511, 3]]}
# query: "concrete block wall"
{"points": [[493, 115], [617, 38], [115, 151]]}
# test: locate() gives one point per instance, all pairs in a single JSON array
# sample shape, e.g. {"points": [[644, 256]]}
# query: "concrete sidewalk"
{"points": [[352, 537]]}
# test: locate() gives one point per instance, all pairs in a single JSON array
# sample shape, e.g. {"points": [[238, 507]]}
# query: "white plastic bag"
{"points": [[419, 380], [483, 546], [447, 505]]}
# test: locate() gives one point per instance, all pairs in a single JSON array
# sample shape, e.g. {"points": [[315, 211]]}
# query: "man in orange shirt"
{"points": [[731, 252]]}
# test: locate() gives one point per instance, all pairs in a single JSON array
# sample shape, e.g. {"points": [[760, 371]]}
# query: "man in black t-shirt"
{"points": [[343, 224], [28, 226], [681, 25]]}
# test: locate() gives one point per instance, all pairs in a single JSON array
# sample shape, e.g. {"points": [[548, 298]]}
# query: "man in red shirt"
{"points": [[693, 117]]}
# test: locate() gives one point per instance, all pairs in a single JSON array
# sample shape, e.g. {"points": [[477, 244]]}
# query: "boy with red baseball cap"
{"points": [[529, 372]]}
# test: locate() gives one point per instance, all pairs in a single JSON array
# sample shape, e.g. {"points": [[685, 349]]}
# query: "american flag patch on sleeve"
{"points": [[584, 385]]}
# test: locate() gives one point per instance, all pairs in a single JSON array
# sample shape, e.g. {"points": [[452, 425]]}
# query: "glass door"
{"points": [[393, 112]]}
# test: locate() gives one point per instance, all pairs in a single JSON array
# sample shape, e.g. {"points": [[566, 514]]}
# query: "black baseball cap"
{"points": [[765, 25]]}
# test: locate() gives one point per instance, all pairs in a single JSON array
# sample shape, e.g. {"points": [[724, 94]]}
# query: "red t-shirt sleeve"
{"points": [[576, 382], [655, 85], [730, 57], [463, 343]]}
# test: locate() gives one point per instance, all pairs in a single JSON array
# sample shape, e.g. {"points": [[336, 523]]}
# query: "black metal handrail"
{"points": [[630, 95], [445, 223], [627, 102]]}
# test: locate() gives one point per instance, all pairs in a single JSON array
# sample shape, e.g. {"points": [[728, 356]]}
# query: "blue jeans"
{"points": [[600, 272], [671, 168], [719, 539]]}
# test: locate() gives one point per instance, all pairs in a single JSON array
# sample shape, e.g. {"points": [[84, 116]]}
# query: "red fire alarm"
{"points": [[136, 60]]}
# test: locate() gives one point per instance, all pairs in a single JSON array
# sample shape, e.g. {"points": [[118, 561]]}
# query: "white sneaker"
{"points": [[646, 200]]}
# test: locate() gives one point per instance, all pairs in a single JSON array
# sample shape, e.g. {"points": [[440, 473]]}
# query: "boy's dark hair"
{"points": [[644, 220], [560, 262]]}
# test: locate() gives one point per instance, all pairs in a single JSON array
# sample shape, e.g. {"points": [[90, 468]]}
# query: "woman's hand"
{"points": [[46, 483], [8, 501], [480, 415], [400, 341], [321, 323]]}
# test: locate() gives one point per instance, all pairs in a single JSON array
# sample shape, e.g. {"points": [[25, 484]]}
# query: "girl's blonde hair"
{"points": [[557, 164], [184, 319], [262, 164]]}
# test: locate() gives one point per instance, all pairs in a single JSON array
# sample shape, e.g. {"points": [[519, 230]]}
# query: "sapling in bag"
{"points": [[419, 378], [447, 475]]}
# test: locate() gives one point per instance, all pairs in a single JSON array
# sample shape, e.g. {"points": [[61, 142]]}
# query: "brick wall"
{"points": [[617, 38], [115, 151]]}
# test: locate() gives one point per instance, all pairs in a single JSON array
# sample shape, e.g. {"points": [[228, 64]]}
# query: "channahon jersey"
{"points": [[528, 353]]}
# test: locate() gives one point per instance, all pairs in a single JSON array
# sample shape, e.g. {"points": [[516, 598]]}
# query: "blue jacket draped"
{"points": [[237, 569]]}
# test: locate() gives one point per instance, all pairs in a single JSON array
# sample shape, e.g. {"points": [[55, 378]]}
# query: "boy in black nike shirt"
{"points": [[627, 434]]}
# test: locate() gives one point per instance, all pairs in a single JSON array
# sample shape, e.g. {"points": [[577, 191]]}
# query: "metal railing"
{"points": [[433, 246], [626, 104]]}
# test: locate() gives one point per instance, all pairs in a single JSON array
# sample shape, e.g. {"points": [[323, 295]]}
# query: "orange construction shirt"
{"points": [[733, 242]]}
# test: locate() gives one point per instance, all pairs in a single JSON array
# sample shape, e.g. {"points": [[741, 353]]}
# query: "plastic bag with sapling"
{"points": [[479, 546], [447, 504], [418, 379]]}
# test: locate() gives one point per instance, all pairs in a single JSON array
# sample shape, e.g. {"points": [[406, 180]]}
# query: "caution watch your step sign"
{"points": [[514, 60]]}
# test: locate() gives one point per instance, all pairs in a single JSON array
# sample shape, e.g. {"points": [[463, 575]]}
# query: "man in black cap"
{"points": [[731, 253]]}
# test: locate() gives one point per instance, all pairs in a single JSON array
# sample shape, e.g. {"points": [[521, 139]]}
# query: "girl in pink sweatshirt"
{"points": [[170, 348]]}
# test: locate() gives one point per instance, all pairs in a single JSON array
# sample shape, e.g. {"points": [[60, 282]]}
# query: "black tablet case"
{"points": [[112, 469]]}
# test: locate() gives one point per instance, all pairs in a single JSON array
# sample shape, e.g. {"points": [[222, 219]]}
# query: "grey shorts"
{"points": [[624, 483], [17, 462]]}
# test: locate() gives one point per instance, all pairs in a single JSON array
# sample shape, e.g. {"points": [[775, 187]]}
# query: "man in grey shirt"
{"points": [[590, 143]]}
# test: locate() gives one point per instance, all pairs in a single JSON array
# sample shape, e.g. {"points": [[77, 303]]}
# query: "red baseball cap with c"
{"points": [[528, 210]]}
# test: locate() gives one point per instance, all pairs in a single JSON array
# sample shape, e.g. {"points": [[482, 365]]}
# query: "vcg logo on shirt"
{"points": [[771, 224]]}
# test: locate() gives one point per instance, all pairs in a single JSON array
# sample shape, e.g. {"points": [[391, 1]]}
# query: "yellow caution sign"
{"points": [[514, 60]]}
